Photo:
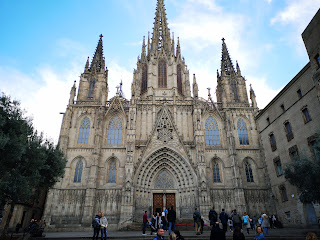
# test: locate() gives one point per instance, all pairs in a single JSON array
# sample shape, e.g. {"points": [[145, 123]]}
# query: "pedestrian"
{"points": [[259, 234], [217, 233], [172, 236], [152, 224], [230, 223], [246, 221], [164, 223], [237, 234], [254, 222], [213, 216], [202, 225], [274, 219], [311, 236], [172, 219], [144, 222], [197, 220], [160, 234], [236, 219], [96, 226], [265, 224], [158, 222], [103, 225], [223, 216], [179, 236]]}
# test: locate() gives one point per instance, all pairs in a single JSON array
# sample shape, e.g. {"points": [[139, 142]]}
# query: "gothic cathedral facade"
{"points": [[163, 147]]}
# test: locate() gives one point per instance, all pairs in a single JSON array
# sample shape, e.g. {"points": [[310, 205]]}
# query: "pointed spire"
{"points": [[226, 63], [149, 45], [161, 32], [86, 68], [172, 44], [143, 54], [238, 69], [178, 52], [98, 62], [195, 87], [253, 98]]}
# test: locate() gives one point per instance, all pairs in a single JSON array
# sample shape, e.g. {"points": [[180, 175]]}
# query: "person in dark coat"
{"points": [[217, 233], [213, 216], [237, 234], [160, 234], [171, 219], [224, 219], [179, 237]]}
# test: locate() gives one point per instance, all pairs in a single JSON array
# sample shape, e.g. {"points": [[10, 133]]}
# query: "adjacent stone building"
{"points": [[166, 146], [289, 126]]}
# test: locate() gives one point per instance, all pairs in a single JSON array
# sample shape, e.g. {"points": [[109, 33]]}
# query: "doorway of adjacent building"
{"points": [[163, 200]]}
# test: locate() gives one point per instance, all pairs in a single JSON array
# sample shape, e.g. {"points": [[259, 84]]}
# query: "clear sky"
{"points": [[44, 45]]}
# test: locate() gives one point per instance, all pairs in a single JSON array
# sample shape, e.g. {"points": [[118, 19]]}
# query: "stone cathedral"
{"points": [[166, 146]]}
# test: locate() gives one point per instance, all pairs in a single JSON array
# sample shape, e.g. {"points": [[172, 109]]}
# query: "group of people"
{"points": [[99, 224], [35, 228], [172, 236]]}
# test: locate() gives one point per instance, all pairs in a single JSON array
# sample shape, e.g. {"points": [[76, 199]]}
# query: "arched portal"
{"points": [[165, 179]]}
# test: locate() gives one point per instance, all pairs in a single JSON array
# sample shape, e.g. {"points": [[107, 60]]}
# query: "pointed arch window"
{"points": [[162, 74], [78, 172], [144, 80], [179, 79], [91, 88], [242, 132], [112, 172], [216, 172], [248, 170], [84, 131], [234, 90], [114, 131], [212, 132]]}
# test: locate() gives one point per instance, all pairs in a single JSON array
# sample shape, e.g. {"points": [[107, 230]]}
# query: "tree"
{"points": [[304, 174], [28, 162]]}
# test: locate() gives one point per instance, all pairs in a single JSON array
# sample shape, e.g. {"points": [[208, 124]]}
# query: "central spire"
{"points": [[98, 61], [161, 32]]}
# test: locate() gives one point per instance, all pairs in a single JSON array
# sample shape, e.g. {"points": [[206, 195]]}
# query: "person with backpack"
{"points": [[246, 221], [197, 220], [236, 219], [224, 219], [96, 226], [213, 217]]}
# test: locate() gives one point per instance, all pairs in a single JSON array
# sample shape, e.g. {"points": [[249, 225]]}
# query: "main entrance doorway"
{"points": [[163, 200]]}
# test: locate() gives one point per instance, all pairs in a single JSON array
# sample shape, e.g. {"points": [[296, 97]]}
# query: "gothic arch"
{"points": [[221, 164], [72, 168], [122, 119], [254, 169], [170, 160]]}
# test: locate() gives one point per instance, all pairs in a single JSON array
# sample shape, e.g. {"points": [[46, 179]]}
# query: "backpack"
{"points": [[236, 218], [95, 224], [213, 216], [245, 220]]}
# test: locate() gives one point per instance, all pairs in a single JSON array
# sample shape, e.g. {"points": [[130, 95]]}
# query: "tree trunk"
{"points": [[6, 226]]}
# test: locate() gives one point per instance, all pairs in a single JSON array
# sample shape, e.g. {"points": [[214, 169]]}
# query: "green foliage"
{"points": [[28, 162], [304, 174]]}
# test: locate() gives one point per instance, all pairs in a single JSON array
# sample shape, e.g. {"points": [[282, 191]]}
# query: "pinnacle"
{"points": [[98, 62], [226, 63]]}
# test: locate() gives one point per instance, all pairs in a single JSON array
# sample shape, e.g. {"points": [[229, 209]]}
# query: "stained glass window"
{"points": [[216, 172], [84, 131], [162, 74], [114, 131], [179, 80], [144, 80], [212, 132], [248, 170], [91, 88], [164, 181], [78, 172], [242, 132], [112, 172]]}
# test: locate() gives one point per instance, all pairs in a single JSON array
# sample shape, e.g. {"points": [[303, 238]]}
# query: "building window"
{"points": [[268, 121], [273, 142], [114, 131], [144, 80], [283, 193], [162, 74], [312, 142], [78, 172], [84, 131], [216, 172], [179, 79], [248, 170], [242, 132], [306, 115], [234, 90], [293, 153], [288, 130], [299, 93], [212, 132], [283, 108], [91, 88], [278, 167], [112, 172]]}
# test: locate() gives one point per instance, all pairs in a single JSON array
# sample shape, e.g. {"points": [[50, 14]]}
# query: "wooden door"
{"points": [[170, 201], [157, 203]]}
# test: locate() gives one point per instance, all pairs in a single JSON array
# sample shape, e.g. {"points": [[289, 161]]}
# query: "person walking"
{"points": [[197, 220], [237, 234], [254, 222], [259, 234], [160, 234], [158, 222], [213, 217], [172, 219], [223, 216], [265, 224], [217, 233], [246, 221], [230, 223], [103, 225], [236, 219], [144, 222], [179, 236], [96, 226]]}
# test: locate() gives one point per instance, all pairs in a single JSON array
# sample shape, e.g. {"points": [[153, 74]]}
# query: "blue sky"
{"points": [[44, 45]]}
